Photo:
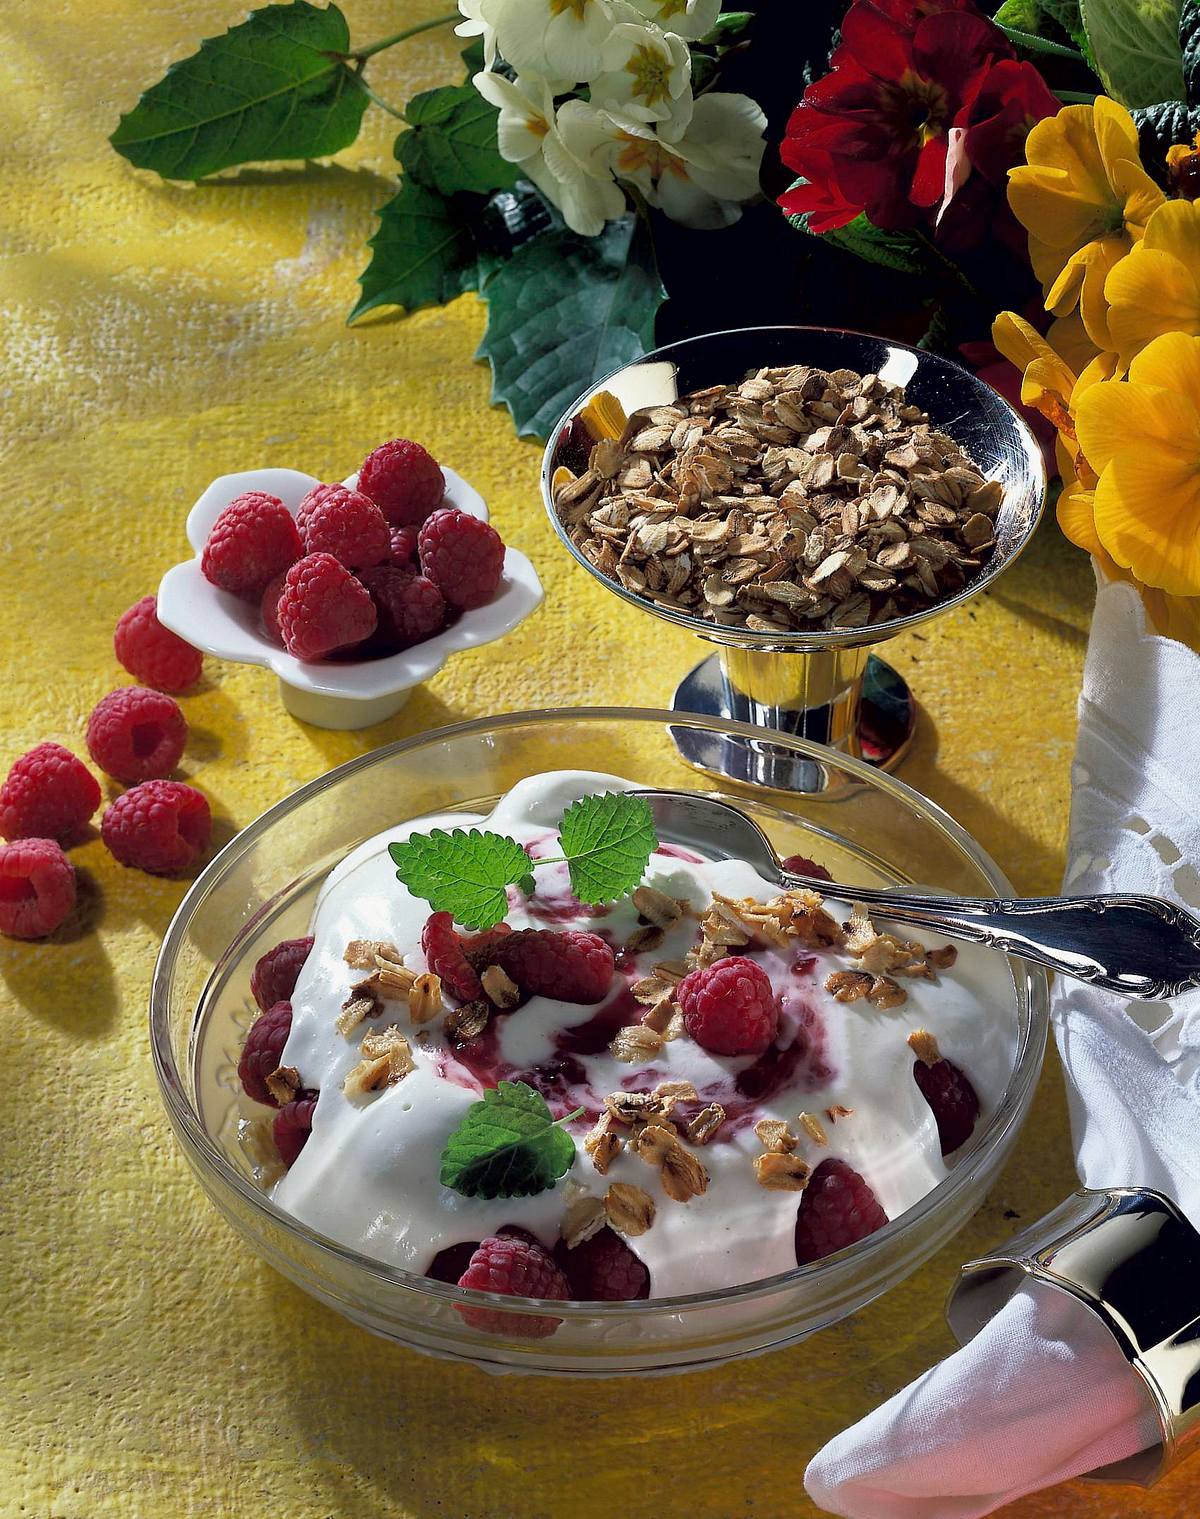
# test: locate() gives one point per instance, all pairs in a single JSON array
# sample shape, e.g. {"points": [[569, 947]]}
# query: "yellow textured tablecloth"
{"points": [[155, 336]]}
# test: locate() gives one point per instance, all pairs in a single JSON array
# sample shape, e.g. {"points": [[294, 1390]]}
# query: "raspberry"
{"points": [[161, 827], [572, 966], [253, 539], [952, 1097], [262, 1053], [346, 524], [135, 734], [603, 1269], [408, 607], [730, 1008], [37, 888], [404, 547], [801, 865], [48, 794], [445, 956], [322, 608], [274, 977], [292, 1125], [463, 556], [449, 1264], [269, 608], [837, 1209], [517, 1268], [404, 481], [153, 654]]}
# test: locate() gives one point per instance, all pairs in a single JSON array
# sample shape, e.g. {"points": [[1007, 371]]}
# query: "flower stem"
{"points": [[1076, 97], [412, 31], [377, 99]]}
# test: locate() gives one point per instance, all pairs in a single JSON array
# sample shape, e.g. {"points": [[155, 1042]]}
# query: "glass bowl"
{"points": [[261, 888]]}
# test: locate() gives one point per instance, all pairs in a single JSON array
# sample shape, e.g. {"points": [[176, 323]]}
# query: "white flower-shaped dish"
{"points": [[329, 694]]}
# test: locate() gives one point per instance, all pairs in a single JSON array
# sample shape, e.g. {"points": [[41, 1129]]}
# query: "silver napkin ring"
{"points": [[1134, 1260]]}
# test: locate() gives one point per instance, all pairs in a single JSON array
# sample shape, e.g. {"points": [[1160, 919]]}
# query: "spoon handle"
{"points": [[1138, 946]]}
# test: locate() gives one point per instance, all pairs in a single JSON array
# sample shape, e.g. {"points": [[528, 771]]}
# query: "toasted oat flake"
{"points": [[602, 1144], [683, 1177], [774, 1134], [501, 989], [813, 1127], [630, 1209], [635, 1043], [585, 1216], [923, 1045], [781, 1173], [363, 954], [656, 907], [848, 985], [354, 1010], [468, 1021], [283, 1084], [645, 938], [706, 1124], [425, 998], [885, 993], [837, 1112]]}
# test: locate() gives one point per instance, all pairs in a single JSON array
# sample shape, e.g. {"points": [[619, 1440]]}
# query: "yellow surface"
{"points": [[156, 336]]}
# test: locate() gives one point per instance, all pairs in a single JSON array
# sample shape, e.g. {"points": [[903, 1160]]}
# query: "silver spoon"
{"points": [[1138, 946]]}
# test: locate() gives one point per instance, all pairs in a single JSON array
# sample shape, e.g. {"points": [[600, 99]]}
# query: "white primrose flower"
{"points": [[647, 77], [562, 39], [473, 25], [685, 18]]}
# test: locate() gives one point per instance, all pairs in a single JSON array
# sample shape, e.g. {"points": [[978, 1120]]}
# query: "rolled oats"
{"points": [[781, 1173], [630, 1210]]}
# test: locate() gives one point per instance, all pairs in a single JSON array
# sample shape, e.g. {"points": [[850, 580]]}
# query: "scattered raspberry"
{"points": [[445, 957], [409, 608], [463, 556], [135, 734], [162, 827], [262, 1053], [837, 1209], [517, 1268], [48, 794], [730, 1008], [322, 608], [950, 1094], [404, 481], [292, 1126], [153, 654], [603, 1269], [37, 888], [269, 608], [275, 974], [404, 547], [253, 539], [346, 524], [572, 966], [801, 865]]}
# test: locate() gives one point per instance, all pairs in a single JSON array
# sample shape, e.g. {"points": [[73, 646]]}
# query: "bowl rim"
{"points": [[826, 638], [1030, 984]]}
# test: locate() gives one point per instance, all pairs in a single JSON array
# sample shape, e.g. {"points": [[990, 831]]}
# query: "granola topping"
{"points": [[630, 1209]]}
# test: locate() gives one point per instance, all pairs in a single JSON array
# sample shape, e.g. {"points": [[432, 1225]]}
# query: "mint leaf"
{"points": [[1137, 49], [273, 87], [508, 1145], [608, 841], [465, 873], [451, 146], [422, 255]]}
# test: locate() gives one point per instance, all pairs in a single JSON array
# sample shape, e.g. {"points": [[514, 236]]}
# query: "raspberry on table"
{"points": [[446, 957], [268, 609], [515, 1267], [161, 827], [275, 974], [837, 1208], [323, 607], [404, 547], [603, 1269], [730, 1007], [152, 653], [37, 888], [463, 556], [47, 794], [262, 1053], [408, 608], [292, 1125], [404, 480], [949, 1093], [346, 524], [135, 734], [253, 539], [570, 965]]}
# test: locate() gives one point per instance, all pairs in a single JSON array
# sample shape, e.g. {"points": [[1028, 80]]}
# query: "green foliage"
{"points": [[608, 841], [451, 144], [902, 251], [507, 1145], [423, 253], [1044, 25], [1137, 49], [465, 873]]}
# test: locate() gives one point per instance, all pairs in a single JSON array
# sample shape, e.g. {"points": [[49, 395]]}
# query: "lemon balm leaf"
{"points": [[607, 841], [507, 1145], [466, 872]]}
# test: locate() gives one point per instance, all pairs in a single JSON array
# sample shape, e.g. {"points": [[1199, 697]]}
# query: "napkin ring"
{"points": [[1134, 1260]]}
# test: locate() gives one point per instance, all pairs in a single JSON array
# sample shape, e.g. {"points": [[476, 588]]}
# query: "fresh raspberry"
{"points": [[269, 608], [478, 949], [837, 1209], [603, 1269], [348, 525], [48, 794], [404, 547], [315, 497], [262, 1053], [571, 966], [445, 957], [950, 1094], [463, 556], [162, 827], [275, 974], [322, 608], [730, 1008], [517, 1268], [37, 888], [801, 865], [153, 654], [292, 1125], [254, 538], [409, 608], [404, 481], [449, 1264], [135, 734]]}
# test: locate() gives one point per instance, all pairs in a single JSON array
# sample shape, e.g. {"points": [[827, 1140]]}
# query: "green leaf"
{"points": [[727, 28], [422, 255], [608, 841], [1032, 43], [1136, 47], [464, 873], [901, 251], [273, 87], [508, 1145], [562, 312], [452, 142], [1055, 21]]}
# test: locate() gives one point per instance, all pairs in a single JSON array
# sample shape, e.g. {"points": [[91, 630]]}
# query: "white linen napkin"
{"points": [[1043, 1393]]}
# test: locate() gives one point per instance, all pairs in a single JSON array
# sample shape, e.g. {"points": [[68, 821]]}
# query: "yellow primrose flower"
{"points": [[1142, 439], [1157, 288], [1084, 199]]}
